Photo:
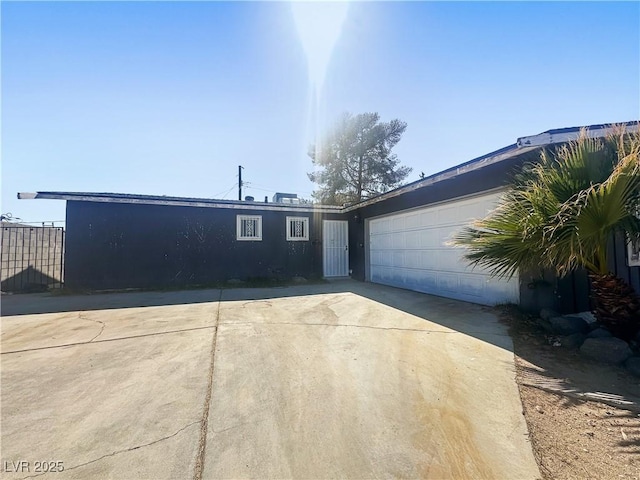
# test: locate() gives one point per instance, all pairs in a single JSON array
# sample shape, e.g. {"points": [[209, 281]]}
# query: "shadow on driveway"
{"points": [[339, 380], [591, 382], [449, 313]]}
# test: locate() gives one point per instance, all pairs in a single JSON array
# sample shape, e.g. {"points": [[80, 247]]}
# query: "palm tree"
{"points": [[560, 213]]}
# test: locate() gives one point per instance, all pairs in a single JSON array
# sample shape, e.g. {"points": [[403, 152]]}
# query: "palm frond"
{"points": [[561, 211]]}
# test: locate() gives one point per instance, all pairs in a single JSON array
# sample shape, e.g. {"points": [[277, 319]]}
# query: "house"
{"points": [[399, 238], [116, 241]]}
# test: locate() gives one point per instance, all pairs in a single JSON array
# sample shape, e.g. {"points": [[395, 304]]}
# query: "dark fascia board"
{"points": [[523, 146], [475, 164], [177, 201]]}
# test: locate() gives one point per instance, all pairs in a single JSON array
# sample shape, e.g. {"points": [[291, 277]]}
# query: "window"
{"points": [[249, 227], [297, 228]]}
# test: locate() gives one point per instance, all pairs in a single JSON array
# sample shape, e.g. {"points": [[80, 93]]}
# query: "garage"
{"points": [[410, 250]]}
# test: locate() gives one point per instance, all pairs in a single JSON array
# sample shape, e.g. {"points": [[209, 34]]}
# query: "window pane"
{"points": [[249, 227], [297, 228]]}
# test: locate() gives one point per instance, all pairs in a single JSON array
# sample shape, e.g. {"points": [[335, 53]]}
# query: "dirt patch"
{"points": [[583, 417], [579, 439]]}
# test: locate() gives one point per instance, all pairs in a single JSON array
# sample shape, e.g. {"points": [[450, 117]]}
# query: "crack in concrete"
{"points": [[110, 339], [117, 452], [92, 320], [347, 325], [204, 423], [100, 332]]}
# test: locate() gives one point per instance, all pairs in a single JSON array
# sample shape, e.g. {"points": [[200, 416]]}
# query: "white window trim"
{"points": [[305, 220], [240, 219]]}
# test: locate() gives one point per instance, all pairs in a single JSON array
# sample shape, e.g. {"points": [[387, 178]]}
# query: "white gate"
{"points": [[335, 241]]}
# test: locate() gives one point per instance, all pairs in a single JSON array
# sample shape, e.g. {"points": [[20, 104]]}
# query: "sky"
{"points": [[168, 98]]}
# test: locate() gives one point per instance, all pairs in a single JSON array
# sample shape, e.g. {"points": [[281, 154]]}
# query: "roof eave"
{"points": [[177, 201], [445, 175]]}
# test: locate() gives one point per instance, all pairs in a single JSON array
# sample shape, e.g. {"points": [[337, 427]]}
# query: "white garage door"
{"points": [[409, 250]]}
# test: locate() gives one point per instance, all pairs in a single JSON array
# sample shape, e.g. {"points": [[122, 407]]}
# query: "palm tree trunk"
{"points": [[616, 304]]}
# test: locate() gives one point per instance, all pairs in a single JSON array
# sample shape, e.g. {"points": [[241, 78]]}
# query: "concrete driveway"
{"points": [[340, 380]]}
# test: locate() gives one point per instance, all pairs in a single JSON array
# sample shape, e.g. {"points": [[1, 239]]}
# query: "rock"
{"points": [[554, 341], [547, 313], [588, 317], [633, 365], [595, 325], [572, 341], [599, 333], [568, 325], [609, 350], [235, 281], [299, 280]]}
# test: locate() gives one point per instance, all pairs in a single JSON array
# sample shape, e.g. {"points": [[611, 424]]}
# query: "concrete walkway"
{"points": [[341, 380]]}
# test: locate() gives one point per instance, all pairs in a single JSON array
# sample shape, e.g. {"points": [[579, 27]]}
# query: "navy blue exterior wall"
{"points": [[124, 245], [573, 290]]}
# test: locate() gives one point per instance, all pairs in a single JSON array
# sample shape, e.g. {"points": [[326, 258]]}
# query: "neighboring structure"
{"points": [[291, 198], [31, 257], [400, 238]]}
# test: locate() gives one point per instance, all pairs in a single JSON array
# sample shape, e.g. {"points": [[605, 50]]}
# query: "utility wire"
{"points": [[248, 185], [227, 191]]}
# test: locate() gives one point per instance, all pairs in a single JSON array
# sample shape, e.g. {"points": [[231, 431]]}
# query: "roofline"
{"points": [[177, 201], [481, 162], [522, 146], [561, 135]]}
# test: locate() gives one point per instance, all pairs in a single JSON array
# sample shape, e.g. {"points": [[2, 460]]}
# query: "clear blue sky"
{"points": [[169, 98]]}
